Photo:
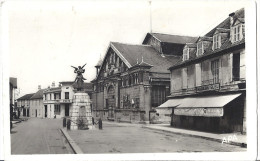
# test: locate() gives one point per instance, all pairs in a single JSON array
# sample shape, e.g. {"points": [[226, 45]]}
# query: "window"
{"points": [[185, 54], [216, 41], [57, 109], [158, 95], [67, 96], [54, 96], [215, 71], [137, 102], [50, 97], [237, 32], [236, 67], [200, 50]]}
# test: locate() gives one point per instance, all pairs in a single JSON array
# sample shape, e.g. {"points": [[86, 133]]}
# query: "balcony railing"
{"points": [[66, 101]]}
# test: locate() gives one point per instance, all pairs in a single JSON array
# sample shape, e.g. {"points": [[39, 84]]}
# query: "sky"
{"points": [[46, 38]]}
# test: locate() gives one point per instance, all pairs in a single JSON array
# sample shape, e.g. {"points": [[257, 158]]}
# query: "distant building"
{"points": [[12, 87], [57, 101], [133, 79], [23, 104], [36, 104], [208, 84]]}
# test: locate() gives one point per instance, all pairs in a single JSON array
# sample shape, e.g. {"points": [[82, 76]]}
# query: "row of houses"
{"points": [[51, 102], [191, 82]]}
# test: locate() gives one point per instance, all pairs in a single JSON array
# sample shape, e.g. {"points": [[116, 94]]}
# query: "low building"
{"points": [[57, 101], [23, 103], [36, 104], [208, 85], [133, 79]]}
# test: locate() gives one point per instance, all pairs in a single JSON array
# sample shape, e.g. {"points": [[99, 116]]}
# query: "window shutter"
{"points": [[232, 34], [198, 74], [219, 41], [242, 65], [184, 78]]}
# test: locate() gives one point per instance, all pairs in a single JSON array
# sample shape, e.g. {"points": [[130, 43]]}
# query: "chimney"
{"points": [[231, 17], [39, 87], [53, 84]]}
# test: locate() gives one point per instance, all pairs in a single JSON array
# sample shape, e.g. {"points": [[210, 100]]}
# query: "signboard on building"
{"points": [[208, 87], [207, 112]]}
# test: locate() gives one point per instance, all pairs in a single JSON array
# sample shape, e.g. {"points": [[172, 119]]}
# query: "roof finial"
{"points": [[142, 59], [137, 61]]}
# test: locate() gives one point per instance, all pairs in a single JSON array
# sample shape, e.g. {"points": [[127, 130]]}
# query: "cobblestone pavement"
{"points": [[39, 136], [115, 138]]}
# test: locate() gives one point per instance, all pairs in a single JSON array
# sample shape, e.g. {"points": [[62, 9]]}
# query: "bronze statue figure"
{"points": [[79, 80]]}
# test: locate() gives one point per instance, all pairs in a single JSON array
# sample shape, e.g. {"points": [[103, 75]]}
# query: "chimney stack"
{"points": [[39, 87], [53, 84], [231, 17]]}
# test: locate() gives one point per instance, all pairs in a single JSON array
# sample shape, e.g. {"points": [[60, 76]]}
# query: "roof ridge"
{"points": [[130, 44], [172, 34]]}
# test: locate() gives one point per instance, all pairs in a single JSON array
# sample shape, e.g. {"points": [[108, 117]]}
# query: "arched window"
{"points": [[141, 77], [129, 80]]}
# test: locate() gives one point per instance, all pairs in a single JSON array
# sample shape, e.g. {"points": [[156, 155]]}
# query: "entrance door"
{"points": [[111, 102], [45, 111], [67, 110], [24, 112], [28, 112], [35, 113]]}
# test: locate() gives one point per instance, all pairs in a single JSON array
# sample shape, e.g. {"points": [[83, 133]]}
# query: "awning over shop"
{"points": [[171, 103], [208, 101], [209, 106]]}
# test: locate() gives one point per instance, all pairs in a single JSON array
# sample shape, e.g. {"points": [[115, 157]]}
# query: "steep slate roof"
{"points": [[143, 52], [226, 45], [176, 39], [38, 94], [26, 97], [226, 23]]}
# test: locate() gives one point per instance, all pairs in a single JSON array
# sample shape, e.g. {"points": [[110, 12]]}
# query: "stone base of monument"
{"points": [[80, 112]]}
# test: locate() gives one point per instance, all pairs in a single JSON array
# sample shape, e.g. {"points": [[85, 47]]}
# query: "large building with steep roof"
{"points": [[133, 79], [208, 84]]}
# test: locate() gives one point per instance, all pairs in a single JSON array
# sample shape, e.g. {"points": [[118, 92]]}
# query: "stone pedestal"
{"points": [[80, 113]]}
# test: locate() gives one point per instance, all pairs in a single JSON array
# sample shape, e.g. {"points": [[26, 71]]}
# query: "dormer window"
{"points": [[216, 41], [237, 32], [200, 49], [185, 54]]}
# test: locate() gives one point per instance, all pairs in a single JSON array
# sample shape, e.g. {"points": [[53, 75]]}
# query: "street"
{"points": [[39, 136], [42, 136], [120, 138]]}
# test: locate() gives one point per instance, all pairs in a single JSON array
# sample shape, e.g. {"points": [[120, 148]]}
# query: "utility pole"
{"points": [[150, 6]]}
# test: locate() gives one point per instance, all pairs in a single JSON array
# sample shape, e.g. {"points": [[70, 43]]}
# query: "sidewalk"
{"points": [[229, 138]]}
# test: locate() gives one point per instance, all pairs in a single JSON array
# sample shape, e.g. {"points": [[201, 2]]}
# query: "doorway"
{"points": [[35, 113], [45, 111], [67, 110]]}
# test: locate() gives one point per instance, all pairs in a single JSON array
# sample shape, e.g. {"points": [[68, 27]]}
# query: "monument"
{"points": [[81, 117]]}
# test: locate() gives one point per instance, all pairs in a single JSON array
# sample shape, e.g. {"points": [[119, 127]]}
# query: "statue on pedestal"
{"points": [[79, 80]]}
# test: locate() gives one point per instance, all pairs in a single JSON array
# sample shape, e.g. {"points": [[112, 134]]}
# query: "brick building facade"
{"points": [[133, 79]]}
